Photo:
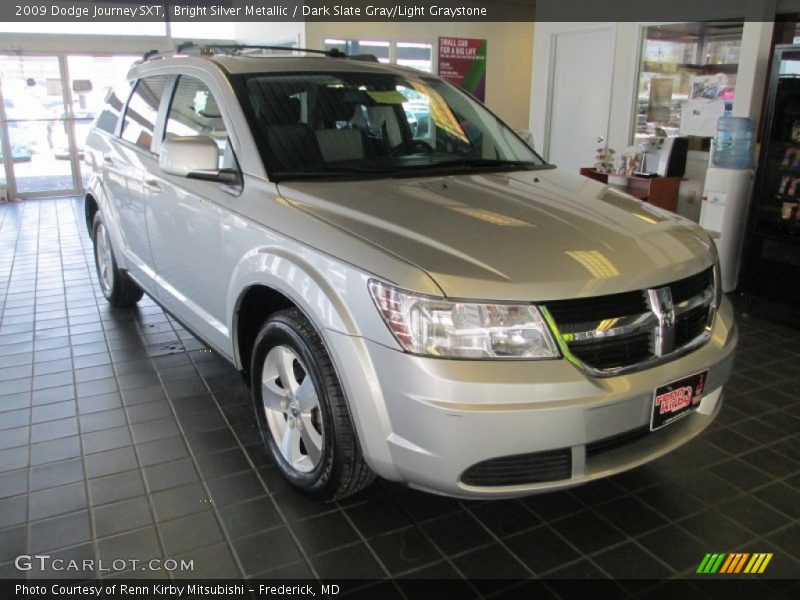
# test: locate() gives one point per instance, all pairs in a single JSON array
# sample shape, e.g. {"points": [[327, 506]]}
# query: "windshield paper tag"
{"points": [[390, 97]]}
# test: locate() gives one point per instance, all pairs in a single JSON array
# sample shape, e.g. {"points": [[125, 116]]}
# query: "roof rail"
{"points": [[189, 48]]}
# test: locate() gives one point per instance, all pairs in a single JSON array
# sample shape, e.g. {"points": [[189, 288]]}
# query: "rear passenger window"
{"points": [[140, 117], [115, 101], [194, 112]]}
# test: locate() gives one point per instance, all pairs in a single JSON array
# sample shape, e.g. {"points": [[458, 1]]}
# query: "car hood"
{"points": [[532, 235]]}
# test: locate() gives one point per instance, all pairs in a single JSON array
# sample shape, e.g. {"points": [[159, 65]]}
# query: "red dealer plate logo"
{"points": [[677, 399]]}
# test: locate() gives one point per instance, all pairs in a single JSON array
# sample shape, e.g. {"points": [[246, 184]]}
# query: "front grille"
{"points": [[521, 469], [585, 310], [695, 285], [622, 331], [690, 325], [613, 353]]}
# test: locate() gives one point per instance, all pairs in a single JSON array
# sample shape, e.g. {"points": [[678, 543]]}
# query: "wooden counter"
{"points": [[658, 191]]}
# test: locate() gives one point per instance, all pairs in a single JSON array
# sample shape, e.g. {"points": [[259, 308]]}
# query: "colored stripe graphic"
{"points": [[711, 562], [733, 563], [758, 563], [728, 563], [740, 562]]}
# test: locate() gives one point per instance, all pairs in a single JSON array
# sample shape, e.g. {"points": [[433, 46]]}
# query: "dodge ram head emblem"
{"points": [[661, 304]]}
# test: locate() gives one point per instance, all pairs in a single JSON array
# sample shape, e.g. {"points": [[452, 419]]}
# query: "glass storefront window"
{"points": [[415, 55], [418, 55], [45, 134], [381, 50], [687, 78]]}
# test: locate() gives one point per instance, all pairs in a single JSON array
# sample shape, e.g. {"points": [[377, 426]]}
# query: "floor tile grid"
{"points": [[369, 543], [29, 210], [10, 234], [61, 244], [60, 207], [88, 252]]}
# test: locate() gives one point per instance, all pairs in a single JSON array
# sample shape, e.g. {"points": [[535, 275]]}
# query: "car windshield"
{"points": [[367, 125]]}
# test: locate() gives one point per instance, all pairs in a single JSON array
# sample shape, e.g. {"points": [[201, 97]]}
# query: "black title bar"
{"points": [[391, 10]]}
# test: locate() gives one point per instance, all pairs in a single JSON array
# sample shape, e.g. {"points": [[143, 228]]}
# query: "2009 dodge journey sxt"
{"points": [[408, 288]]}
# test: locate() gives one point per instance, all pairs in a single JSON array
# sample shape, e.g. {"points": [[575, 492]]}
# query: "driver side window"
{"points": [[194, 112]]}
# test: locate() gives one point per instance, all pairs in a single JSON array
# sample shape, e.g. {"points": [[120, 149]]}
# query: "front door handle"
{"points": [[152, 185], [108, 160]]}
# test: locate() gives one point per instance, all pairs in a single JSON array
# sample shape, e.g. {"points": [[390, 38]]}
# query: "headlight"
{"points": [[437, 327]]}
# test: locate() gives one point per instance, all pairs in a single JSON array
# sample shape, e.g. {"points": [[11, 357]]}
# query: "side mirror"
{"points": [[526, 135], [195, 157]]}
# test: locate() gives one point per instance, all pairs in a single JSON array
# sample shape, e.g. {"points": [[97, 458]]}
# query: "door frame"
{"points": [[69, 122], [551, 74]]}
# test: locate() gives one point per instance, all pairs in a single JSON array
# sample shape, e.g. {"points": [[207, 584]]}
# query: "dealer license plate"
{"points": [[677, 399]]}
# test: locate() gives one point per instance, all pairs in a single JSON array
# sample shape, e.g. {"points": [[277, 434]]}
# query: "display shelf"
{"points": [[769, 220], [781, 198]]}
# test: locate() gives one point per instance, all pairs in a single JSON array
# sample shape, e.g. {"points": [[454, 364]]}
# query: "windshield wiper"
{"points": [[522, 165], [410, 170], [330, 172]]}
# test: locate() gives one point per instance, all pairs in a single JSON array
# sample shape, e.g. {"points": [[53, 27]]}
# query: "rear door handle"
{"points": [[108, 160], [152, 185]]}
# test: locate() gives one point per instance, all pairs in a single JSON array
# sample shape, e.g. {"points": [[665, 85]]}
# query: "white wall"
{"points": [[509, 57]]}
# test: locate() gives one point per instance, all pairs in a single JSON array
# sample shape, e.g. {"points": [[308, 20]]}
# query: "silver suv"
{"points": [[435, 305]]}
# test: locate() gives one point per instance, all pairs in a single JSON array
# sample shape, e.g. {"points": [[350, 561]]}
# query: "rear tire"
{"points": [[302, 411], [117, 286]]}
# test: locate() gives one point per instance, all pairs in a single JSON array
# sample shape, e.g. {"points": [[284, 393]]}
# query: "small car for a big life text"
{"points": [[433, 304]]}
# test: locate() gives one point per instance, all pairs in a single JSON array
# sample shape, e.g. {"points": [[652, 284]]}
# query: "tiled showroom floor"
{"points": [[120, 436]]}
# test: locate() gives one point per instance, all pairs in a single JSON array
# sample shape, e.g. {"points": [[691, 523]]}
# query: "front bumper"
{"points": [[426, 421]]}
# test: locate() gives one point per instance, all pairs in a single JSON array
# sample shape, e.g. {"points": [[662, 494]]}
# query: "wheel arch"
{"points": [[270, 279], [90, 209], [254, 306]]}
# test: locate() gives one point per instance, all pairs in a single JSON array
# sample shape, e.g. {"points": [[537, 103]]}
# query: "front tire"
{"points": [[118, 288], [302, 412]]}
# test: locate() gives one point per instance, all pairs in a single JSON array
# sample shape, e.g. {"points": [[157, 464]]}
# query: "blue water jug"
{"points": [[734, 146]]}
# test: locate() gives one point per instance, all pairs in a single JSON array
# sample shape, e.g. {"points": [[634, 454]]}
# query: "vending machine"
{"points": [[771, 269]]}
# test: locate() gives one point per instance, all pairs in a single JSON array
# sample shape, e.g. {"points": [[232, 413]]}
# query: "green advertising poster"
{"points": [[462, 62]]}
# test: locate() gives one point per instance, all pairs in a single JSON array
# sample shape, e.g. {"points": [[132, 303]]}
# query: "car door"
{"points": [[125, 169], [185, 216]]}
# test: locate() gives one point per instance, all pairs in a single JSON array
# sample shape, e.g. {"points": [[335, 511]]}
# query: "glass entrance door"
{"points": [[35, 115], [48, 105]]}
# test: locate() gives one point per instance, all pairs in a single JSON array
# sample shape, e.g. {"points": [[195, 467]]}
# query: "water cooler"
{"points": [[724, 215]]}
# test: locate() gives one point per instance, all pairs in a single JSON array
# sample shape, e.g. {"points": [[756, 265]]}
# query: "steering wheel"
{"points": [[410, 146]]}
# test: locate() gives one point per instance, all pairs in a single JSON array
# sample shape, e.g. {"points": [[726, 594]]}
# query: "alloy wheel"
{"points": [[292, 410]]}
